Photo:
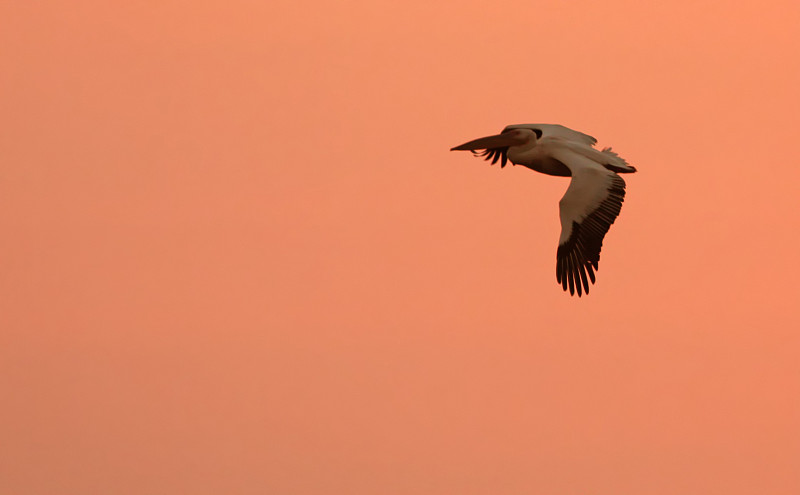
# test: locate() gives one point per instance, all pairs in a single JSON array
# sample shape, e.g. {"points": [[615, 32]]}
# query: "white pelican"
{"points": [[592, 201]]}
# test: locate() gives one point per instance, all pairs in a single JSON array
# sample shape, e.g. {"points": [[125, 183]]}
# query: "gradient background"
{"points": [[238, 257]]}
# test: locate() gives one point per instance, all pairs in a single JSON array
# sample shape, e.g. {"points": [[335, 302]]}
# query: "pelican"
{"points": [[593, 199]]}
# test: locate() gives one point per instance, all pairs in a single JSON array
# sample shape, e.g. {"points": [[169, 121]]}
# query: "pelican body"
{"points": [[593, 199]]}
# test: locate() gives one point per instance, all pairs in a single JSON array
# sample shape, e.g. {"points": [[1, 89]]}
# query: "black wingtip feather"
{"points": [[493, 154], [583, 278]]}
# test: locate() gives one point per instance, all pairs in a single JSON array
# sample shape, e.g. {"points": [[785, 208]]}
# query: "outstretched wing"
{"points": [[591, 204]]}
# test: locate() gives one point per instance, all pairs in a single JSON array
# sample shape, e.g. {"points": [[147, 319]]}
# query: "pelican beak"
{"points": [[489, 142]]}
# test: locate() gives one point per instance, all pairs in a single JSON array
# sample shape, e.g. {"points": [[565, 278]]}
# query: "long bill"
{"points": [[489, 142]]}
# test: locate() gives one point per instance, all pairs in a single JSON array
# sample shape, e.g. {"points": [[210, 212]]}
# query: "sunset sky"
{"points": [[238, 257]]}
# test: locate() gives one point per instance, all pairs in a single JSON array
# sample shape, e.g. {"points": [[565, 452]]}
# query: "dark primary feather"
{"points": [[580, 255], [494, 154]]}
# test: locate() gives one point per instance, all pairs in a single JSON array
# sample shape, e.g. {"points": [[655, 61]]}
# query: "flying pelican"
{"points": [[592, 201]]}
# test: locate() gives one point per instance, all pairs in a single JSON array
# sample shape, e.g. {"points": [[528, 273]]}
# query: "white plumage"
{"points": [[592, 201]]}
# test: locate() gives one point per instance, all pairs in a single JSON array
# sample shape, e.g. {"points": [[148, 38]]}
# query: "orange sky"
{"points": [[239, 258]]}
